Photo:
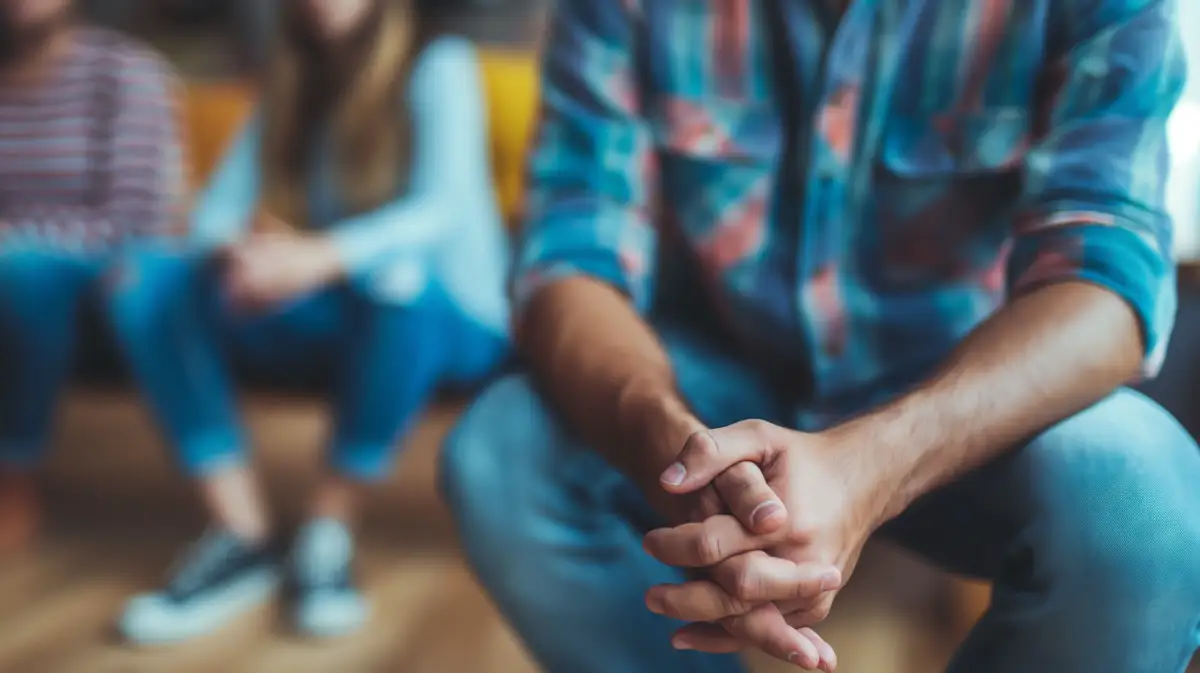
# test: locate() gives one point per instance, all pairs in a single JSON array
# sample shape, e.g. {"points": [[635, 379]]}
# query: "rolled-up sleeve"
{"points": [[1095, 179], [592, 170]]}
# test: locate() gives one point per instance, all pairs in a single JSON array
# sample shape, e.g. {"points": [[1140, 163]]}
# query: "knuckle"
{"points": [[733, 605], [802, 534], [761, 430], [703, 445], [736, 626], [746, 585], [708, 504], [736, 479], [673, 604], [697, 448], [708, 549], [820, 612]]}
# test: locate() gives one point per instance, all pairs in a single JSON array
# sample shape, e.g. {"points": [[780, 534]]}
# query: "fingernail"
{"points": [[830, 580], [798, 659], [829, 657], [764, 511], [674, 475], [655, 604], [681, 643]]}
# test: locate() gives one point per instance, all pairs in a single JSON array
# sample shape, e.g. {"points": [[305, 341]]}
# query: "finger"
{"points": [[824, 650], [697, 545], [709, 638], [740, 584], [708, 453], [744, 490], [697, 601], [708, 504], [714, 639], [765, 628], [808, 615], [758, 577]]}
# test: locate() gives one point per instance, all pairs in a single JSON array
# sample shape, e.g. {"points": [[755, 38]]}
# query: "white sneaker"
{"points": [[327, 600], [221, 578]]}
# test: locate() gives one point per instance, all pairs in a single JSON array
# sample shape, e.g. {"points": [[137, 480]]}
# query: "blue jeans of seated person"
{"points": [[41, 292], [1090, 532], [386, 360]]}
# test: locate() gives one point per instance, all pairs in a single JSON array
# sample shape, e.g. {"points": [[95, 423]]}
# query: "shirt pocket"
{"points": [[945, 188], [716, 129], [950, 145], [717, 157]]}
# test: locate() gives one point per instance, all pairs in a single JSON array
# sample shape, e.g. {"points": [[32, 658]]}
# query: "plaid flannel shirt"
{"points": [[947, 154]]}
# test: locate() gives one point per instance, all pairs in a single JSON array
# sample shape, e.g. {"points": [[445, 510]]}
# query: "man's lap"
{"points": [[1091, 531], [1076, 491], [1124, 455]]}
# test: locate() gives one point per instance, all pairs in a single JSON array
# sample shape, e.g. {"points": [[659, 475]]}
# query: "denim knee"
{"points": [[1119, 530], [501, 440], [516, 482]]}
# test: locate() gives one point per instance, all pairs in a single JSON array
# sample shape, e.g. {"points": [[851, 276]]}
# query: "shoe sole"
{"points": [[345, 623], [204, 616]]}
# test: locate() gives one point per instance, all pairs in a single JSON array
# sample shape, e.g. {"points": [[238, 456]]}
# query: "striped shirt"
{"points": [[91, 157], [937, 157]]}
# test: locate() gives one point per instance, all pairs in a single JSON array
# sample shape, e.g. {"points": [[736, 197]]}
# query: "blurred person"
{"points": [[798, 272], [90, 163], [352, 232]]}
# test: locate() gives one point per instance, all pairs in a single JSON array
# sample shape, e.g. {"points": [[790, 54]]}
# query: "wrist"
{"points": [[654, 423], [332, 264], [873, 479]]}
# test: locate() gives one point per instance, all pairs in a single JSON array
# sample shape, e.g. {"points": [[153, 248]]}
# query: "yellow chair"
{"points": [[510, 83], [215, 110], [213, 113]]}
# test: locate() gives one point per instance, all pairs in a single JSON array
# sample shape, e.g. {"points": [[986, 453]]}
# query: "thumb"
{"points": [[708, 453]]}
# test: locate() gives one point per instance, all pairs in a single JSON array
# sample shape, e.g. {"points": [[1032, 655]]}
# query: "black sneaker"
{"points": [[220, 578], [327, 600]]}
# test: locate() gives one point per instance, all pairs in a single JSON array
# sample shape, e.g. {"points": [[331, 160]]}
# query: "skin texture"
{"points": [[1046, 356], [610, 377]]}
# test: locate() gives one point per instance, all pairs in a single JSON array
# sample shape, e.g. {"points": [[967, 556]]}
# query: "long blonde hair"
{"points": [[352, 91]]}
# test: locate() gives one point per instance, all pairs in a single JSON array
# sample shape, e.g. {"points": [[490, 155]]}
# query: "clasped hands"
{"points": [[771, 568], [274, 263]]}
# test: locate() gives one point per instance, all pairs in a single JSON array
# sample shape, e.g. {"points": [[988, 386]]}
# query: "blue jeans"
{"points": [[385, 360], [1090, 532], [41, 293]]}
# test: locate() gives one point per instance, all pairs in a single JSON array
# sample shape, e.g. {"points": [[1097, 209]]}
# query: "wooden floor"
{"points": [[119, 514], [58, 604]]}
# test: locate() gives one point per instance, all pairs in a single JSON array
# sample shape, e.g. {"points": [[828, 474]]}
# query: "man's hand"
{"points": [[266, 269], [660, 427], [766, 591]]}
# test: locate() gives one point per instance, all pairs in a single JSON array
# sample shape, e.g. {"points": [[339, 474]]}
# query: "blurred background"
{"points": [[118, 511]]}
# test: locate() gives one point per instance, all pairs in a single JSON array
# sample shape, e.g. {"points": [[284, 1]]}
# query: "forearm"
{"points": [[450, 168], [603, 368], [1042, 358], [407, 227]]}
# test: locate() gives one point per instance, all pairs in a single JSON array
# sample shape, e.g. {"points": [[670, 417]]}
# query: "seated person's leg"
{"points": [[166, 318], [554, 532], [40, 294], [391, 360], [1091, 533]]}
